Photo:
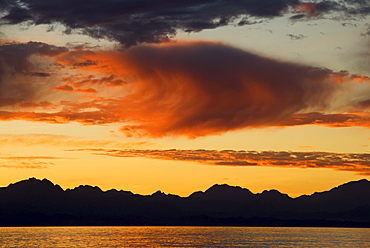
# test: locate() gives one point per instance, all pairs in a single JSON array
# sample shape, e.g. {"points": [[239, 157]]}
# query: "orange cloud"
{"points": [[31, 162], [64, 88], [62, 117], [80, 81], [201, 88], [68, 88], [187, 88], [43, 104], [354, 162], [311, 9], [65, 141], [344, 76], [351, 119], [309, 147]]}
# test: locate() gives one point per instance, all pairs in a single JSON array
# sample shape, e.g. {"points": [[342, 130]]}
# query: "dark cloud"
{"points": [[366, 32], [39, 74], [315, 9], [348, 24], [354, 7], [348, 9], [15, 63], [176, 88], [131, 22], [204, 88], [109, 81], [85, 63], [354, 162], [16, 56], [296, 37]]}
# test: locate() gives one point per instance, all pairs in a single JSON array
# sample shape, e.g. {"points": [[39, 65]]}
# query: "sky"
{"points": [[180, 95]]}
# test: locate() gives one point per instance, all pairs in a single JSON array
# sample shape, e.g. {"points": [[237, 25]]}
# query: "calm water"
{"points": [[183, 237]]}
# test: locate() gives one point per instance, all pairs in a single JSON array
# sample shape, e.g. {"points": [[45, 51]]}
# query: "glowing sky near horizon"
{"points": [[146, 96]]}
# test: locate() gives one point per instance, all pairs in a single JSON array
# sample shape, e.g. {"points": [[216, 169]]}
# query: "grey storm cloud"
{"points": [[15, 62], [131, 22], [15, 56]]}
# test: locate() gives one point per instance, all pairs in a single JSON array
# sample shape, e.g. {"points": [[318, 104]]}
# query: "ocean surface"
{"points": [[183, 237]]}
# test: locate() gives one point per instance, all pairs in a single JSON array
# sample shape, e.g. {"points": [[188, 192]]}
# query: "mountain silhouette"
{"points": [[224, 192], [35, 202]]}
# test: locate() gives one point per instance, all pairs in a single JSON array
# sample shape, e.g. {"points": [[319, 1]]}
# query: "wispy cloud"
{"points": [[29, 162], [346, 119], [354, 162], [64, 141], [59, 141], [309, 147]]}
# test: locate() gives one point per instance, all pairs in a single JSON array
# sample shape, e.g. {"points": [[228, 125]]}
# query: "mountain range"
{"points": [[35, 202]]}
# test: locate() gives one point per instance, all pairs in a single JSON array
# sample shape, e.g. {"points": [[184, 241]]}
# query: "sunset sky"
{"points": [[147, 95]]}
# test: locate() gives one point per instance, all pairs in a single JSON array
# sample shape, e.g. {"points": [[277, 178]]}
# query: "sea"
{"points": [[55, 237]]}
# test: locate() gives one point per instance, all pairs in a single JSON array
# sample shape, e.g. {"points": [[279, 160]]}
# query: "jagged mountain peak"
{"points": [[34, 184], [119, 192], [86, 190], [32, 180], [225, 187], [223, 192], [272, 192], [158, 192], [273, 195]]}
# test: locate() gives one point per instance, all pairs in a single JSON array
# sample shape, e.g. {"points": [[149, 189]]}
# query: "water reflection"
{"points": [[183, 237]]}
